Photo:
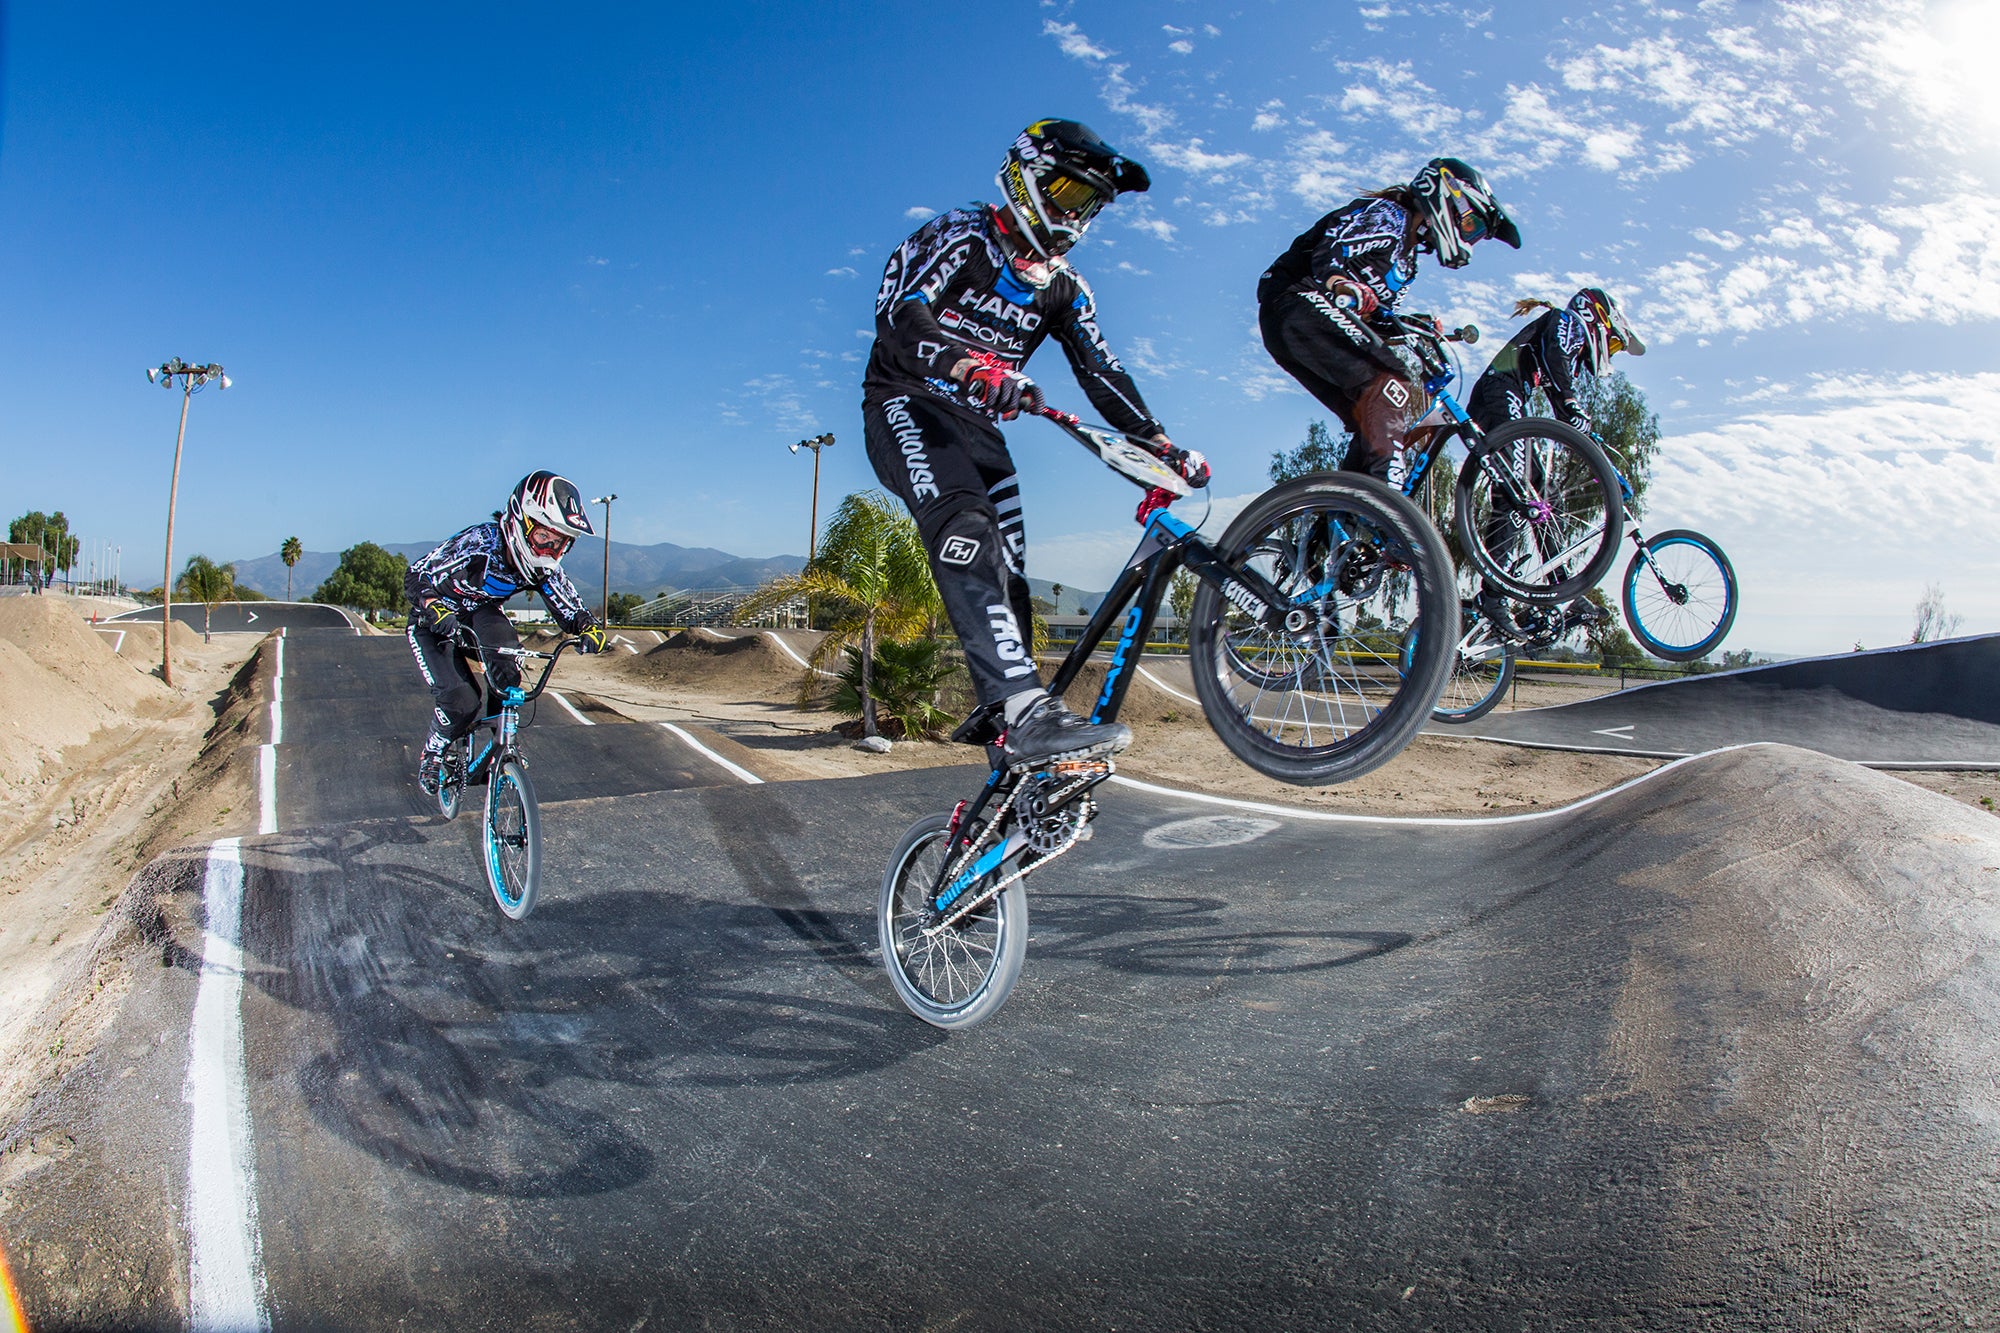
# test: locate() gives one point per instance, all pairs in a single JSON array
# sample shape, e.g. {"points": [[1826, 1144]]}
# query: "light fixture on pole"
{"points": [[816, 443], [193, 379], [604, 608]]}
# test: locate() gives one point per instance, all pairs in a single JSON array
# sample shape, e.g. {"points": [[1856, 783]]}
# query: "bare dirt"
{"points": [[103, 771]]}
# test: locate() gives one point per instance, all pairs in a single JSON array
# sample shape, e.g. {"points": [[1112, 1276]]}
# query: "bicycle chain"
{"points": [[1075, 791]]}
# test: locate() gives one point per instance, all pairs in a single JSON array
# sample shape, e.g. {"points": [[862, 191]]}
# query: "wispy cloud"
{"points": [[1072, 42]]}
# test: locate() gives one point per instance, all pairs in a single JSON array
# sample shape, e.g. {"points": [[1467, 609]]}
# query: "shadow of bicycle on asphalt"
{"points": [[1189, 937]]}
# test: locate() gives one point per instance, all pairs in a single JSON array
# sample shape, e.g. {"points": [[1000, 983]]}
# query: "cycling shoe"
{"points": [[1050, 731]]}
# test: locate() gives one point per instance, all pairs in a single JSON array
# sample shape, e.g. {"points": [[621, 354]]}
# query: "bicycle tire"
{"points": [[1690, 626], [1348, 668], [511, 840], [959, 977], [1479, 677], [1586, 506], [451, 781]]}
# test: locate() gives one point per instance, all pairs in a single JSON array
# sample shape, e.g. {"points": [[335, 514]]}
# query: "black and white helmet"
{"points": [[1604, 328], [1056, 178], [544, 518], [1458, 208]]}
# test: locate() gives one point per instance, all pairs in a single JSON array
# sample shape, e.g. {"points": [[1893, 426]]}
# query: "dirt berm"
{"points": [[747, 666]]}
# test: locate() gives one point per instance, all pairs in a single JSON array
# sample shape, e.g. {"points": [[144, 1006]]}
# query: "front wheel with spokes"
{"points": [[1482, 668], [512, 837], [950, 976], [1680, 595], [1539, 510], [1330, 695]]}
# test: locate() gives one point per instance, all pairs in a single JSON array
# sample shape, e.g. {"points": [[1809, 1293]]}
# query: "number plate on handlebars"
{"points": [[1124, 457]]}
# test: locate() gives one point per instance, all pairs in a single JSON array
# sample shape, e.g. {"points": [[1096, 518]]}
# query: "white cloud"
{"points": [[842, 272], [1191, 156], [1268, 117], [915, 211], [1837, 509], [1072, 41], [1181, 48]]}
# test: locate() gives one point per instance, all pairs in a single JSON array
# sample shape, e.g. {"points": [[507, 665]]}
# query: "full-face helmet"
{"points": [[544, 518], [1604, 327], [1057, 177], [1457, 207]]}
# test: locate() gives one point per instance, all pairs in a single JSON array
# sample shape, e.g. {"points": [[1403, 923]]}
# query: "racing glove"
{"points": [[590, 637], [440, 620], [1348, 294], [1188, 462], [996, 386]]}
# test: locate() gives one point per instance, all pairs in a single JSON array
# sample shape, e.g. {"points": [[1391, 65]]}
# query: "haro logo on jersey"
{"points": [[1000, 308], [1007, 641], [958, 550]]}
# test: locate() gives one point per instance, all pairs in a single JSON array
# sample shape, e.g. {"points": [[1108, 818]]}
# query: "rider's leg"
{"points": [[1496, 399], [454, 697], [489, 624], [1376, 406], [1383, 415], [955, 474]]}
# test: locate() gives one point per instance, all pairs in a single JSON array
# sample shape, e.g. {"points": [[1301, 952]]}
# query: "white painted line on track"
{"points": [[786, 649], [572, 709], [737, 769], [1427, 821], [278, 693], [1168, 688], [267, 789], [225, 1279], [657, 636], [117, 645]]}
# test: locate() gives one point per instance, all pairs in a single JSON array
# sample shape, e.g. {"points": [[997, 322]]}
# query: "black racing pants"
{"points": [[955, 474], [455, 695], [1498, 398], [1377, 405]]}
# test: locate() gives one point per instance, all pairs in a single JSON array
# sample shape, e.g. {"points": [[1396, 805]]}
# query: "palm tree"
{"points": [[206, 582], [870, 571], [290, 553]]}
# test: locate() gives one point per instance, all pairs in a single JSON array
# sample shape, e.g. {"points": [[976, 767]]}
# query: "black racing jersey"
{"points": [[949, 290], [1368, 240], [1554, 353], [472, 570]]}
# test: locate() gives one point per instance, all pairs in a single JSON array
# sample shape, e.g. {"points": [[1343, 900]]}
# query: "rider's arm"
{"points": [[1104, 381], [565, 603], [906, 328], [1565, 373], [1366, 245]]}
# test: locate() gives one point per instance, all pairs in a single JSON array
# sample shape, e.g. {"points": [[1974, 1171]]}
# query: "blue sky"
{"points": [[437, 246]]}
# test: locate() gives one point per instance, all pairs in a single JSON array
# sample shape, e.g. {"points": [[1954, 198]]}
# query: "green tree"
{"points": [[906, 680], [620, 605], [1180, 597], [204, 581], [1321, 452], [368, 578], [870, 577], [52, 531], [1629, 431], [1055, 593], [290, 552]]}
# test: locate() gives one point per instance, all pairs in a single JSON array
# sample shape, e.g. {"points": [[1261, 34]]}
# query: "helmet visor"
{"points": [[1071, 194], [543, 540]]}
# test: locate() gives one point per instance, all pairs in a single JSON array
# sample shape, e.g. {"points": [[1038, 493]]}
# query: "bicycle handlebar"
{"points": [[1133, 457], [468, 640]]}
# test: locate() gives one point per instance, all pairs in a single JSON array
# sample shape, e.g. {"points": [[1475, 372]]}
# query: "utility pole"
{"points": [[816, 443], [193, 379], [604, 608]]}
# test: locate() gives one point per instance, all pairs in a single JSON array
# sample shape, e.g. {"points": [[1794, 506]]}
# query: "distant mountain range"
{"points": [[645, 570]]}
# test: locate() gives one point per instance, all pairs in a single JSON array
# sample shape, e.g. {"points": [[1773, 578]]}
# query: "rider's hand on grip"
{"points": [[1190, 464], [440, 620], [590, 639], [996, 386], [1348, 294]]}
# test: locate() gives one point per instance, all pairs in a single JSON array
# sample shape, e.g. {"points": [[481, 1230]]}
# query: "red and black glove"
{"points": [[996, 386], [1348, 294]]}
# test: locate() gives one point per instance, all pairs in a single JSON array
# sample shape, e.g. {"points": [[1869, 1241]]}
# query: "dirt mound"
{"points": [[140, 644], [749, 665], [1144, 700], [59, 683]]}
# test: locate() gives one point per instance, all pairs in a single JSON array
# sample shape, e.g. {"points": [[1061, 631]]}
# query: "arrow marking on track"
{"points": [[1623, 733], [249, 615]]}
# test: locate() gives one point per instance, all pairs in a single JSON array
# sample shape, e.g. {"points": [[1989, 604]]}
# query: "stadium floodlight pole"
{"points": [[604, 607], [816, 443], [193, 379]]}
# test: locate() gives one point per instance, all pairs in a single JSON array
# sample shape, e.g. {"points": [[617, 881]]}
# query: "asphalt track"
{"points": [[1712, 1051], [245, 617]]}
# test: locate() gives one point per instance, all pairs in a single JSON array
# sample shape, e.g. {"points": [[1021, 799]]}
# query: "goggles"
{"points": [[1077, 197], [543, 540]]}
